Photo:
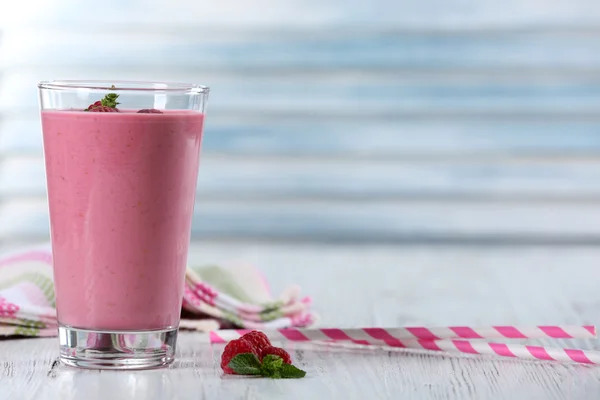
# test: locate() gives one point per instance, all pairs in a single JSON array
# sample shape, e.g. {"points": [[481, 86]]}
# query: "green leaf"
{"points": [[110, 100], [288, 371], [245, 364], [272, 361], [276, 375], [271, 365], [274, 367]]}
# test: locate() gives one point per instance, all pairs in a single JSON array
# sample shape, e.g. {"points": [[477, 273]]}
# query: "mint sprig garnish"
{"points": [[245, 364], [110, 100], [288, 371], [272, 366]]}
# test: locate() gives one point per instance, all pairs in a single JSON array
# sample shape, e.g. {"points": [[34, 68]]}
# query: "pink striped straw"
{"points": [[423, 333], [485, 348]]}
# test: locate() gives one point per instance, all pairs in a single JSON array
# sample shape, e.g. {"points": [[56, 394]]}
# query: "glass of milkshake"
{"points": [[121, 169]]}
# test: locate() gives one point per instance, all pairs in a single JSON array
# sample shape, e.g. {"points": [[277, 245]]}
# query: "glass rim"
{"points": [[124, 86]]}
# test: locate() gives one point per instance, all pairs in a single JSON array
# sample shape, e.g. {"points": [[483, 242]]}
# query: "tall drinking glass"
{"points": [[121, 169]]}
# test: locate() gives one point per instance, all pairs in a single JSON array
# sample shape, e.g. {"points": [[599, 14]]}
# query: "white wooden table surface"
{"points": [[365, 286]]}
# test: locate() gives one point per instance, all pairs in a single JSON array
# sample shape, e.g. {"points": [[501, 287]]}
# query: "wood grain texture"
{"points": [[405, 221], [330, 121], [450, 15], [424, 139], [348, 121], [360, 286], [300, 178]]}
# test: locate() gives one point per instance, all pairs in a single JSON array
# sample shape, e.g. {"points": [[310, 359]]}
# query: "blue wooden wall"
{"points": [[445, 121]]}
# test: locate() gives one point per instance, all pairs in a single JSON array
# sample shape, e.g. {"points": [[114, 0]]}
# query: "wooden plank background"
{"points": [[341, 121]]}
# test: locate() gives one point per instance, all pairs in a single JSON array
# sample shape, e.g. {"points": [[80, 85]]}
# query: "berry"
{"points": [[276, 351], [275, 363], [102, 109], [150, 111], [258, 339], [107, 104], [233, 348]]}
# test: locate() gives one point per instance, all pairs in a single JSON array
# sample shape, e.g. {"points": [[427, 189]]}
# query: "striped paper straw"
{"points": [[425, 333], [518, 351]]}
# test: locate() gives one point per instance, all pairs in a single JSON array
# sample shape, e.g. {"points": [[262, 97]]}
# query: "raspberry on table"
{"points": [[233, 348], [276, 351], [258, 339]]}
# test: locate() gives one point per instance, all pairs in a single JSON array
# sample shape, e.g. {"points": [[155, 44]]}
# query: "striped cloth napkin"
{"points": [[215, 296]]}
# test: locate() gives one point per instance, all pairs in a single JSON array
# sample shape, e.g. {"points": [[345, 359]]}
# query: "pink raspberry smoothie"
{"points": [[121, 190]]}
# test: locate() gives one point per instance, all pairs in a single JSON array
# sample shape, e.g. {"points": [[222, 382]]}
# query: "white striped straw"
{"points": [[518, 351], [425, 333]]}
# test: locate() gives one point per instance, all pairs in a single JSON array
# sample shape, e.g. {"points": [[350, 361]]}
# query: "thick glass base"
{"points": [[125, 350]]}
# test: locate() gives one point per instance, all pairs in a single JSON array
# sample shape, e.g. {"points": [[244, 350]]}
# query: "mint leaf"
{"points": [[288, 371], [110, 100], [272, 361], [274, 367], [245, 364], [271, 365]]}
